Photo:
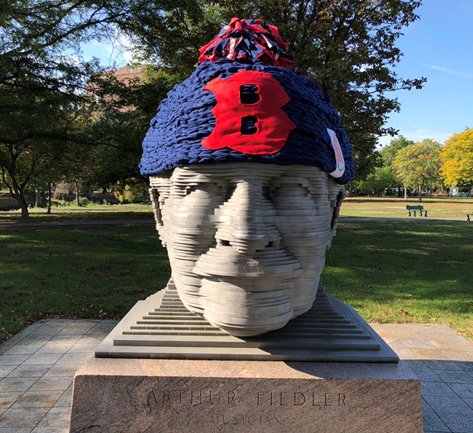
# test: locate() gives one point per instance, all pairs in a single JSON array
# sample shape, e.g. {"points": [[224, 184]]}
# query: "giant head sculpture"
{"points": [[246, 159]]}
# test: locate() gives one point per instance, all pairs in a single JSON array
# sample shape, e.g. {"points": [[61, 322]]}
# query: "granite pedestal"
{"points": [[215, 382], [153, 396]]}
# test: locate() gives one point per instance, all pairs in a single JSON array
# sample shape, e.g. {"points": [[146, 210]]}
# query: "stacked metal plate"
{"points": [[161, 327]]}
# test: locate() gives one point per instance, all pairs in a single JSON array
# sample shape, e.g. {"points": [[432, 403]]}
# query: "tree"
{"points": [[41, 88], [349, 47], [377, 182], [32, 139], [44, 81], [388, 154], [418, 165], [119, 126], [457, 159]]}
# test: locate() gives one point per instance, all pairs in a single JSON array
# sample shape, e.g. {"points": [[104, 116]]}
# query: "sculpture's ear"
{"points": [[336, 196], [159, 193]]}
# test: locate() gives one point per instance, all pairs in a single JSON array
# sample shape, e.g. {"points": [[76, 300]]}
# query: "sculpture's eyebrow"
{"points": [[183, 177], [268, 174]]}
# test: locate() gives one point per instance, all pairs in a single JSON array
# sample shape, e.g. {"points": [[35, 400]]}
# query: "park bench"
{"points": [[415, 209]]}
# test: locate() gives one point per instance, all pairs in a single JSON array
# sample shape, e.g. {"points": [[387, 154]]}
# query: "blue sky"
{"points": [[115, 54], [439, 47]]}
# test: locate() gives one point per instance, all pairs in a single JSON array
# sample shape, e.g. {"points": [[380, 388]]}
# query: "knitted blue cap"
{"points": [[228, 111]]}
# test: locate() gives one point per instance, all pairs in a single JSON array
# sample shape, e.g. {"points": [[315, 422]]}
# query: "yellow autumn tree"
{"points": [[418, 165], [457, 159]]}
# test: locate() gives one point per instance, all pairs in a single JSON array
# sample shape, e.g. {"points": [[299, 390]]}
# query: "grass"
{"points": [[352, 207], [388, 207], [405, 272], [86, 273], [390, 272], [80, 213]]}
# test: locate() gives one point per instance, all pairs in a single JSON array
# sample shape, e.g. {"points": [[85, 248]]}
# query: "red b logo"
{"points": [[248, 114]]}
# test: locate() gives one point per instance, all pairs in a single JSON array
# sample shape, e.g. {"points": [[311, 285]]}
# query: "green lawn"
{"points": [[387, 207], [405, 271], [80, 213], [77, 272], [390, 272], [352, 207]]}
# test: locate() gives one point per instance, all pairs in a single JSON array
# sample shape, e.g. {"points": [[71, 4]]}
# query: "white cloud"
{"points": [[418, 134], [121, 48], [448, 70]]}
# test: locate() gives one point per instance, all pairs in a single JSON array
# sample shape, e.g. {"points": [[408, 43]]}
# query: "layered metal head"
{"points": [[246, 241]]}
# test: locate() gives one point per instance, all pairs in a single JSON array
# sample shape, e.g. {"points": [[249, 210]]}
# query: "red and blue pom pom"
{"points": [[248, 41]]}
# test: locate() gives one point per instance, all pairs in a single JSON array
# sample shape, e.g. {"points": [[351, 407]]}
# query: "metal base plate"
{"points": [[161, 327]]}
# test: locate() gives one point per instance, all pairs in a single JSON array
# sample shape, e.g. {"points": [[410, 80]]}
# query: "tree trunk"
{"points": [[77, 194], [24, 210], [405, 192], [37, 202], [49, 197], [18, 193], [420, 193], [20, 197]]}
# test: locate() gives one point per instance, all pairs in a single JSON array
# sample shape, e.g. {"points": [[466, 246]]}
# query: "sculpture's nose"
{"points": [[246, 220]]}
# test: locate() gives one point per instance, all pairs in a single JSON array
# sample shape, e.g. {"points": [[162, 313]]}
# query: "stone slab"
{"points": [[153, 396], [161, 327]]}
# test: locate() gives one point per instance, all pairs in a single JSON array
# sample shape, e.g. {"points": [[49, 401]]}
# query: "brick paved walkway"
{"points": [[37, 367], [38, 364]]}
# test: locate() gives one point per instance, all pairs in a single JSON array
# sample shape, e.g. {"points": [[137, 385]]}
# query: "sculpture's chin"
{"points": [[251, 307]]}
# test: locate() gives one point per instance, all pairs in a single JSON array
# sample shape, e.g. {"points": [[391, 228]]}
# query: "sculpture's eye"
{"points": [[293, 194], [227, 190], [212, 191], [267, 192], [336, 209], [158, 202]]}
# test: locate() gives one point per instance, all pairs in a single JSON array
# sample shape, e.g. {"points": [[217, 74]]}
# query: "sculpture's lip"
{"points": [[259, 274], [229, 262], [248, 279], [257, 271]]}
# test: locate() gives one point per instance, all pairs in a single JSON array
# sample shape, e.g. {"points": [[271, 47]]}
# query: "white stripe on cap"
{"points": [[339, 160]]}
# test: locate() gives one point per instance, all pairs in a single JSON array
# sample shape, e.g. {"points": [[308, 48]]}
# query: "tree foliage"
{"points": [[457, 159], [389, 152], [348, 47], [120, 124], [40, 88], [33, 134], [40, 40], [378, 182], [418, 165]]}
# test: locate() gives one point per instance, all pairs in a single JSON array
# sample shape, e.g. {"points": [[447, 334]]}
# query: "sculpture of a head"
{"points": [[247, 163]]}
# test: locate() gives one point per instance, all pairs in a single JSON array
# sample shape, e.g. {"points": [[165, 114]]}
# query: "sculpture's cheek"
{"points": [[191, 234], [303, 221]]}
